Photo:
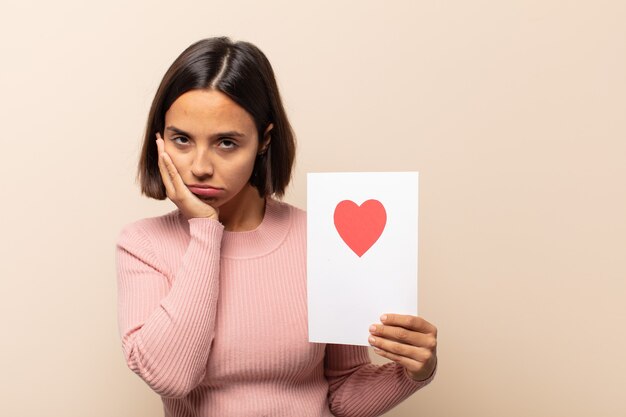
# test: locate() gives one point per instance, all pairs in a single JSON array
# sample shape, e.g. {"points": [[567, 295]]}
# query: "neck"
{"points": [[244, 212]]}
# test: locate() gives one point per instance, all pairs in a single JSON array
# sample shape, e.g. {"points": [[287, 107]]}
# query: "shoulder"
{"points": [[140, 242], [149, 229], [295, 214]]}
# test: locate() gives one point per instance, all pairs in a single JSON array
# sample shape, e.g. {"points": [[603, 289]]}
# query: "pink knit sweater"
{"points": [[216, 323]]}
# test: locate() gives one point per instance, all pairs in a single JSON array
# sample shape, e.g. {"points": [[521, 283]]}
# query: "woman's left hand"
{"points": [[407, 340]]}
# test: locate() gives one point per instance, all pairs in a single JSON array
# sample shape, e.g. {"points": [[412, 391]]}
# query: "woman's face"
{"points": [[212, 141]]}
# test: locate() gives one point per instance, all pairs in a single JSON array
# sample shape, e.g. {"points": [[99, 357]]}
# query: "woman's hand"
{"points": [[408, 340], [176, 190]]}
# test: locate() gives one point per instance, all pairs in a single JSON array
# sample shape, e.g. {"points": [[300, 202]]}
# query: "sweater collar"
{"points": [[267, 237]]}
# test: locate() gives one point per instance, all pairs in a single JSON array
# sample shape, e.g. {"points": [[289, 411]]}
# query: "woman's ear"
{"points": [[267, 138]]}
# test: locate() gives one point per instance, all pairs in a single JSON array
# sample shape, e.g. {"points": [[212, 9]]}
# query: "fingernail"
{"points": [[371, 340], [372, 328], [383, 317]]}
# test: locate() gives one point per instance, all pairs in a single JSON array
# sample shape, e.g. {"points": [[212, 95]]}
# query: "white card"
{"points": [[361, 252]]}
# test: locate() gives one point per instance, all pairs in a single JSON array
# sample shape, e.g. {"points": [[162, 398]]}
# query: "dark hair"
{"points": [[242, 72]]}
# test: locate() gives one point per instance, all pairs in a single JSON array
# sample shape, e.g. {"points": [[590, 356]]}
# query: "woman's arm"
{"points": [[358, 387], [167, 332]]}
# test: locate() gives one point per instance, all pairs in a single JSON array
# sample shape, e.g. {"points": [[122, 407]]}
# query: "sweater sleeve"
{"points": [[167, 326], [357, 387]]}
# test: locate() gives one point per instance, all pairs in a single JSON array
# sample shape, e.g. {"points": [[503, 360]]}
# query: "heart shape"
{"points": [[360, 226]]}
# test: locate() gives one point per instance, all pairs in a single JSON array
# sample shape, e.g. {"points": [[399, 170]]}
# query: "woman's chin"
{"points": [[212, 201]]}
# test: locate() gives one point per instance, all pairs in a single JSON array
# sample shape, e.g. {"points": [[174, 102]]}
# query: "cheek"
{"points": [[179, 160], [241, 170], [250, 166]]}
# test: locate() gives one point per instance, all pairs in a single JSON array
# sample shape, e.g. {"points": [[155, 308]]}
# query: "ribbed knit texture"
{"points": [[216, 323]]}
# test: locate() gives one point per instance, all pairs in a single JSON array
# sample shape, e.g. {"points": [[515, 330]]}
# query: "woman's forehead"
{"points": [[202, 110]]}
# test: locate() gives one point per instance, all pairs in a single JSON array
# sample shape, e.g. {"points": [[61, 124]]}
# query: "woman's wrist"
{"points": [[406, 372]]}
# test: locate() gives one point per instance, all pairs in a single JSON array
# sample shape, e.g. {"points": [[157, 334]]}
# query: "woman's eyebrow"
{"points": [[178, 131], [230, 133]]}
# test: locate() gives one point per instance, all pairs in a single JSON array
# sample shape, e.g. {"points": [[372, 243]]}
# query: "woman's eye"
{"points": [[227, 144], [180, 138]]}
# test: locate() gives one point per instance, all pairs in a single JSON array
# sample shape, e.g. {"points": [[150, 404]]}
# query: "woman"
{"points": [[212, 296]]}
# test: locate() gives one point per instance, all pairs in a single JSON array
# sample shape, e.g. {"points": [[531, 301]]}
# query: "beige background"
{"points": [[513, 112]]}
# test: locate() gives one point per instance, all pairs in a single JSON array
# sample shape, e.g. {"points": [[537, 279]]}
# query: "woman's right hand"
{"points": [[176, 190]]}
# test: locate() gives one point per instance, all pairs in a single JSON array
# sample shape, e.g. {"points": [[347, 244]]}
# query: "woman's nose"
{"points": [[202, 165]]}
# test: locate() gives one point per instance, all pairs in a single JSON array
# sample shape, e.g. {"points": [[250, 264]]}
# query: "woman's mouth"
{"points": [[206, 192]]}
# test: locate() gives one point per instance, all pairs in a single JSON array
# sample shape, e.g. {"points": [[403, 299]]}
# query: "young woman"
{"points": [[212, 296]]}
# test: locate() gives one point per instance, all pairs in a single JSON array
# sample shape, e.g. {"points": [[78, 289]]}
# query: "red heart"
{"points": [[360, 226]]}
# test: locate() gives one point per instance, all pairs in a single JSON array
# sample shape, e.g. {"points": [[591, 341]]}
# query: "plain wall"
{"points": [[513, 112]]}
